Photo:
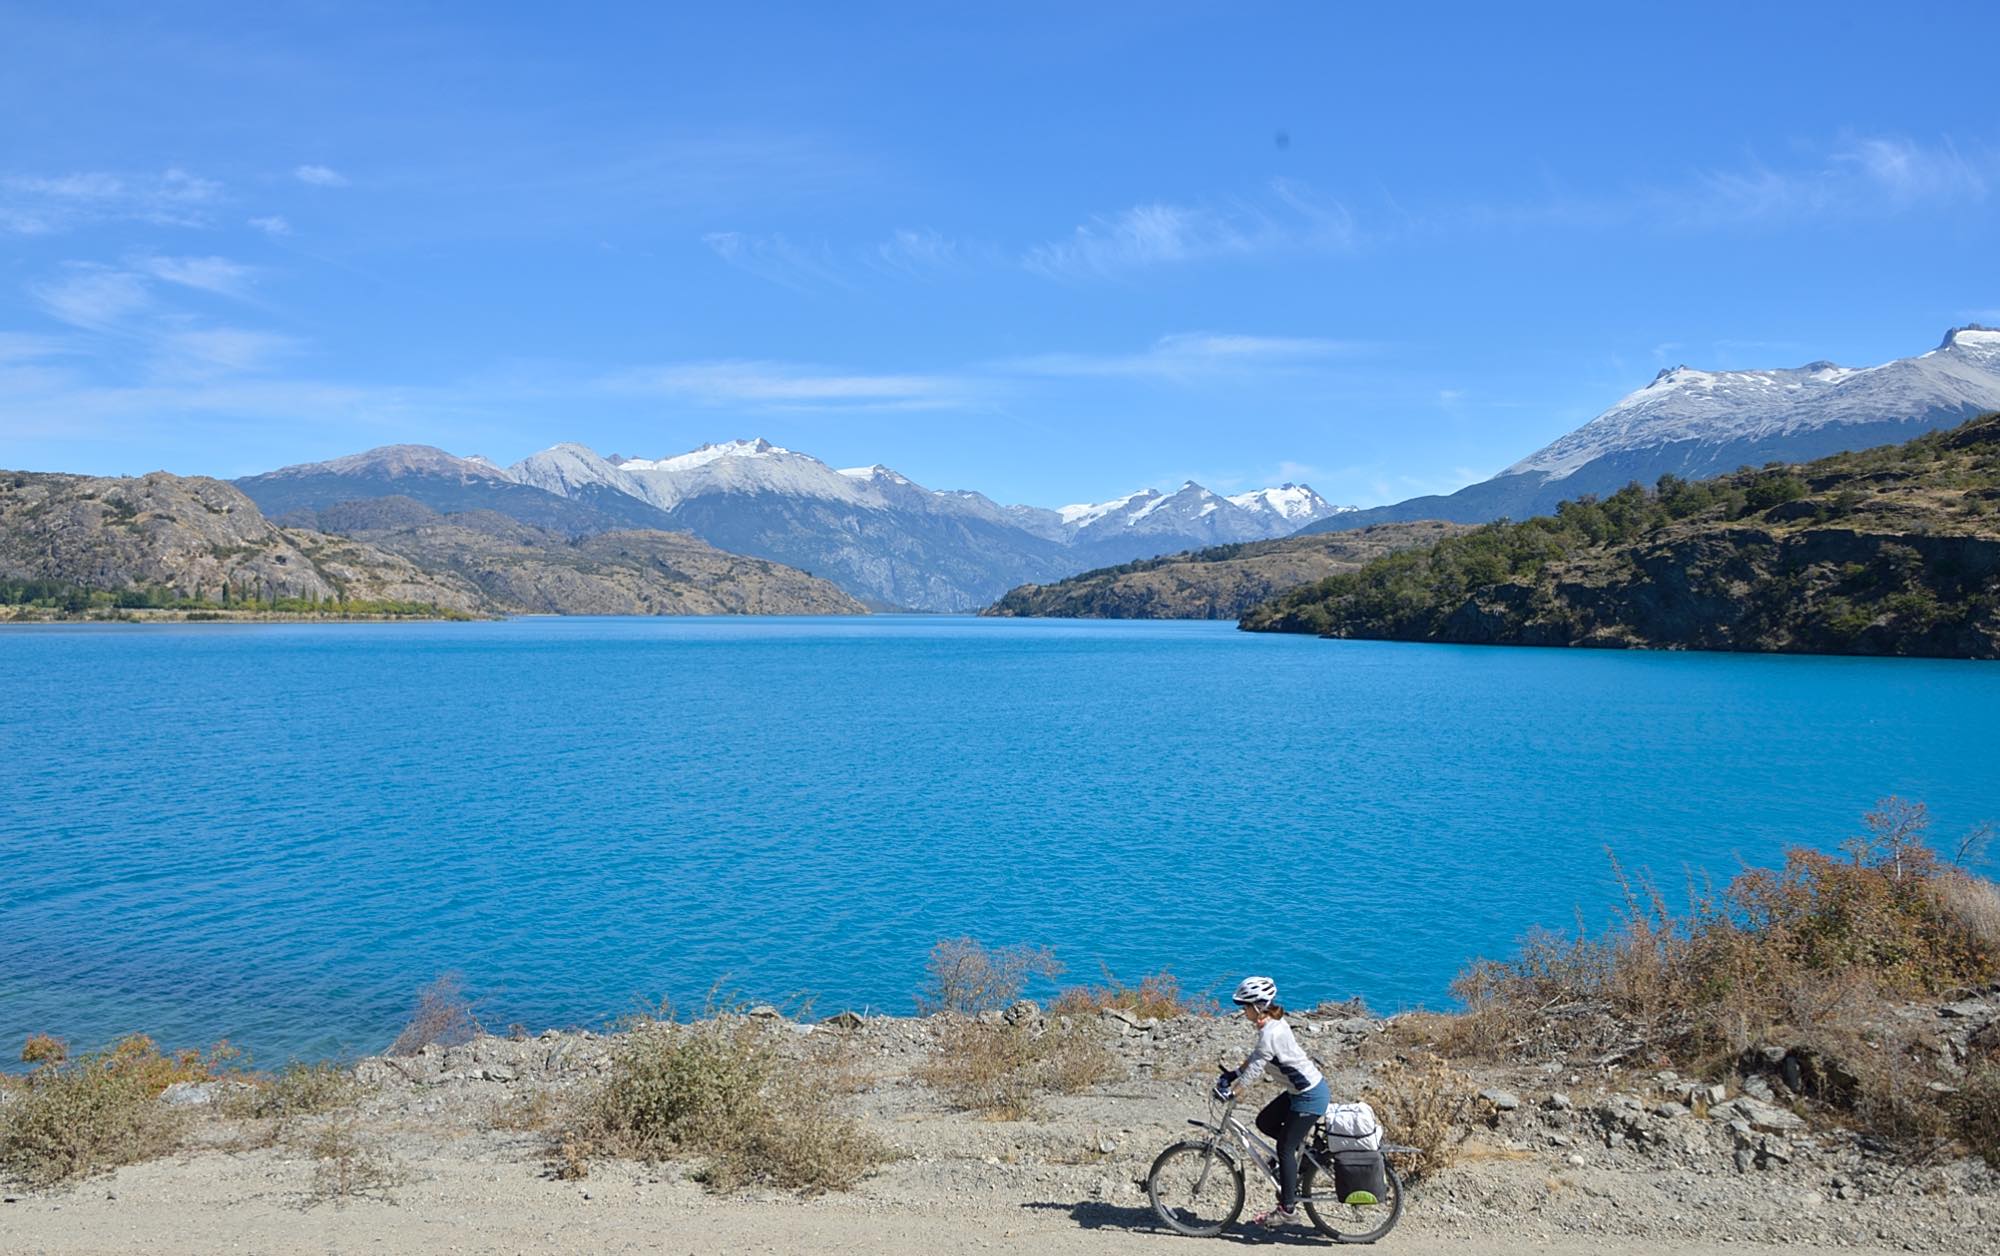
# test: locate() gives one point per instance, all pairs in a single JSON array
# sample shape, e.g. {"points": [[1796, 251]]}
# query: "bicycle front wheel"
{"points": [[1348, 1223], [1196, 1188]]}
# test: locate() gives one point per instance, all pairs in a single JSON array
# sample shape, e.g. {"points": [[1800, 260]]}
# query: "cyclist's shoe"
{"points": [[1275, 1217]]}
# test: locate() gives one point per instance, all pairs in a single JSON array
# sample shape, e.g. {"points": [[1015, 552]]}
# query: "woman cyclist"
{"points": [[1287, 1119]]}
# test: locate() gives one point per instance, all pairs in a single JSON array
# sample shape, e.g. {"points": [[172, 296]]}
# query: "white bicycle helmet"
{"points": [[1256, 992]]}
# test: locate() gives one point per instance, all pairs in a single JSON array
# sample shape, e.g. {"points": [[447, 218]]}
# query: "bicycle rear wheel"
{"points": [[1348, 1223], [1196, 1188]]}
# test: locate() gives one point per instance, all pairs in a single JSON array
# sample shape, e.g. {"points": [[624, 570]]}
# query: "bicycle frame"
{"points": [[1255, 1149]]}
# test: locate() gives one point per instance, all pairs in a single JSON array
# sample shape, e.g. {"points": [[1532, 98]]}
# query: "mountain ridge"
{"points": [[877, 533], [1696, 424]]}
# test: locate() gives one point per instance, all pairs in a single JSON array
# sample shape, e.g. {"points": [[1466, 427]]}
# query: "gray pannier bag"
{"points": [[1351, 1127]]}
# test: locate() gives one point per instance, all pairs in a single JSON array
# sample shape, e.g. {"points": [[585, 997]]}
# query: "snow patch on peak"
{"points": [[1291, 502], [757, 448], [876, 472], [1087, 512], [1971, 336]]}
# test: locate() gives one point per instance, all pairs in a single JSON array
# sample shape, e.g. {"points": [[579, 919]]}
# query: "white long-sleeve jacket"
{"points": [[1276, 1045]]}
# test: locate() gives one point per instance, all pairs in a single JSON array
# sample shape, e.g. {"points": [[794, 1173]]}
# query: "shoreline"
{"points": [[464, 1136]]}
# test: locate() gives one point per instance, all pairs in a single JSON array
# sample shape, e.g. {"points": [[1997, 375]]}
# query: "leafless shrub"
{"points": [[442, 1016], [967, 977], [1426, 1104]]}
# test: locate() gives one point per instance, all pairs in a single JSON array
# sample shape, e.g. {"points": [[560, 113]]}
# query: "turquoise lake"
{"points": [[274, 834]]}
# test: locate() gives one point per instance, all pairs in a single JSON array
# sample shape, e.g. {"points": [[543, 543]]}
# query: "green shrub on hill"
{"points": [[1883, 551]]}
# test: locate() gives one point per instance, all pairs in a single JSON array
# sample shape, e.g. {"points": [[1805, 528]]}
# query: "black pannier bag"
{"points": [[1359, 1177]]}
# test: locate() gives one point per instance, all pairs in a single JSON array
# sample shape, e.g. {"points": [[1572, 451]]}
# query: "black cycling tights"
{"points": [[1288, 1129]]}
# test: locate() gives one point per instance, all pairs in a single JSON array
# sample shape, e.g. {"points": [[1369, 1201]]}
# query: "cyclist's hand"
{"points": [[1222, 1090]]}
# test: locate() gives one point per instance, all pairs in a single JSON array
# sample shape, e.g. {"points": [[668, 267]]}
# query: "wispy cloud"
{"points": [[218, 275], [122, 310], [202, 352], [319, 176], [1184, 355], [46, 204], [923, 254], [783, 385], [92, 297], [1289, 217], [1857, 177], [777, 259], [271, 225]]}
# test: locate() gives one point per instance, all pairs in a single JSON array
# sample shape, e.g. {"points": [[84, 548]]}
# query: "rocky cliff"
{"points": [[205, 541], [198, 538]]}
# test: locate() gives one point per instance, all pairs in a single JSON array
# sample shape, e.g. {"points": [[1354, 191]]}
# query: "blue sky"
{"points": [[1052, 252]]}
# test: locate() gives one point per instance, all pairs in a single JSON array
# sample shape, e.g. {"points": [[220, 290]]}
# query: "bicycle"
{"points": [[1200, 1178]]}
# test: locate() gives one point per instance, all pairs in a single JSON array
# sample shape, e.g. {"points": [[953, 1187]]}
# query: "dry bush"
{"points": [[1158, 995], [725, 1093], [72, 1118], [347, 1166], [1426, 1104], [1809, 958], [443, 1016], [569, 1158], [525, 1111], [1002, 1070], [1976, 1112], [297, 1090], [44, 1049], [967, 977], [1972, 904]]}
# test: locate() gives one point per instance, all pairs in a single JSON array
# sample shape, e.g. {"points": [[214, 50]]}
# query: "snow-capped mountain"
{"points": [[1705, 416], [1696, 423], [877, 533], [1292, 504]]}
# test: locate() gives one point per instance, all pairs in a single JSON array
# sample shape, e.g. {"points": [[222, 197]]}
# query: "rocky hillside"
{"points": [[1222, 582], [198, 538], [205, 541], [1894, 550], [519, 567]]}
